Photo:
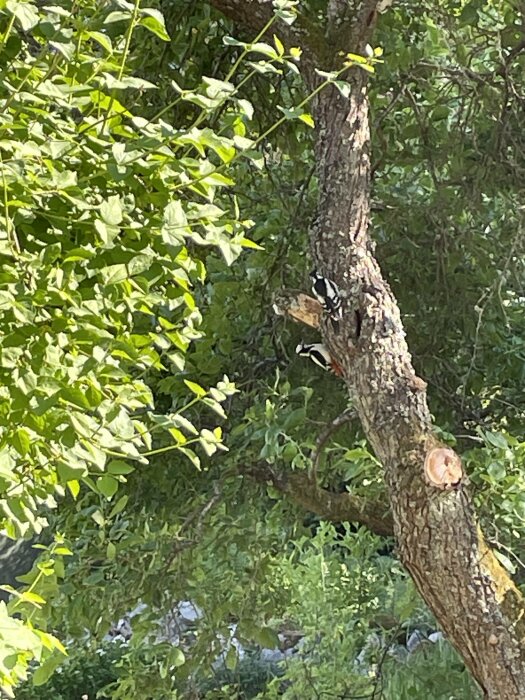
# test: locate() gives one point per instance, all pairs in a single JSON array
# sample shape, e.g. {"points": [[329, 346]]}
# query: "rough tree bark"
{"points": [[439, 542]]}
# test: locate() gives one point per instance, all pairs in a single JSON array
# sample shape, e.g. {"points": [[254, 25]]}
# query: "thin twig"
{"points": [[481, 306], [378, 674], [346, 416], [198, 514]]}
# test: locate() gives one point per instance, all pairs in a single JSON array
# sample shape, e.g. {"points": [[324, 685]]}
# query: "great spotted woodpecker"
{"points": [[327, 294], [319, 354]]}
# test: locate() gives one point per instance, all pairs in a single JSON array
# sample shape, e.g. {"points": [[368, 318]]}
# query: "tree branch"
{"points": [[323, 438], [336, 507], [255, 14], [472, 596], [298, 306]]}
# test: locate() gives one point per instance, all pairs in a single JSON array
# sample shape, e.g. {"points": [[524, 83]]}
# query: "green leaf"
{"points": [[177, 657], [195, 388], [307, 119], [21, 441], [505, 561], [230, 660], [113, 274], [190, 454], [343, 87], [118, 16], [119, 506], [295, 418], [246, 243], [183, 422], [266, 637], [98, 518], [111, 551], [496, 471], [117, 466], [496, 439], [125, 83], [73, 486], [246, 107], [209, 447], [102, 39], [44, 672], [111, 211], [440, 112], [24, 596], [107, 486], [177, 435], [70, 471], [154, 21], [25, 13], [215, 406]]}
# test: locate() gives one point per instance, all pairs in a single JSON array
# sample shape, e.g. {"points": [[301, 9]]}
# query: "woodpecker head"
{"points": [[315, 276], [303, 349], [317, 352]]}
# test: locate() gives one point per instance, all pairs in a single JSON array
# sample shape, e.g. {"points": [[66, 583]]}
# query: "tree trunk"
{"points": [[472, 597], [474, 600]]}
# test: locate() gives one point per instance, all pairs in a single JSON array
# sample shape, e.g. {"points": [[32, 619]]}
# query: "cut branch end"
{"points": [[298, 306], [443, 468]]}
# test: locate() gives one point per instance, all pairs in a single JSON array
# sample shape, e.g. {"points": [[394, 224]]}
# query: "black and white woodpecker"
{"points": [[318, 353], [327, 294]]}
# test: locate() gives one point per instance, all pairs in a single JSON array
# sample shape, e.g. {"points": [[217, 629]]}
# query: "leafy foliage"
{"points": [[102, 210], [84, 674]]}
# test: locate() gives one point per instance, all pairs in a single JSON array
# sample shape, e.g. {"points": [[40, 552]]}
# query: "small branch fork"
{"points": [[345, 417], [197, 516]]}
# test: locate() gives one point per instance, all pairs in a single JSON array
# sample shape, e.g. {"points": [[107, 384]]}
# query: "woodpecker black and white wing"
{"points": [[327, 294]]}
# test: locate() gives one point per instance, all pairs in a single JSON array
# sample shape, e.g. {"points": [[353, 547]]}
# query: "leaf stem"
{"points": [[129, 34], [11, 233], [248, 48], [8, 30], [122, 67]]}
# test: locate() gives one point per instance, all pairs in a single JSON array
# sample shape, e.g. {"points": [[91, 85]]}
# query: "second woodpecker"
{"points": [[318, 353]]}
